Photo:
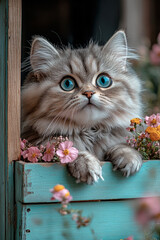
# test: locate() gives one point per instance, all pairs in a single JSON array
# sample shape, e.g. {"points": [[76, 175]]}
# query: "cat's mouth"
{"points": [[89, 105]]}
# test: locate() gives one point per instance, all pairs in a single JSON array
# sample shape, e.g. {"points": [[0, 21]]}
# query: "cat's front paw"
{"points": [[86, 168], [126, 159]]}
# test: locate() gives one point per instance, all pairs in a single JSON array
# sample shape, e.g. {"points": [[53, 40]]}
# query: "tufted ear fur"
{"points": [[42, 55], [118, 48]]}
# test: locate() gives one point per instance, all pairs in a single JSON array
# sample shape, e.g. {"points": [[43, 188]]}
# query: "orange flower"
{"points": [[61, 193], [136, 121], [150, 130], [154, 121], [58, 188], [155, 136], [158, 128], [67, 194], [154, 133]]}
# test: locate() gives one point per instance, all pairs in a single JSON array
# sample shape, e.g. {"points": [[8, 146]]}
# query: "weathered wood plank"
{"points": [[20, 221], [13, 107], [14, 78], [33, 182], [3, 111], [112, 220], [10, 61]]}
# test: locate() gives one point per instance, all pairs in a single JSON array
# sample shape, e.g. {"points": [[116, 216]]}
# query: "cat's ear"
{"points": [[42, 55], [117, 47]]}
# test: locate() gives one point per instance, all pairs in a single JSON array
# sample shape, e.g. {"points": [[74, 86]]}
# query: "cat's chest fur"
{"points": [[96, 140], [92, 136]]}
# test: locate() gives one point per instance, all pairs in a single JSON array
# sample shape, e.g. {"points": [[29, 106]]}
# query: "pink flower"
{"points": [[61, 193], [129, 129], [33, 154], [155, 54], [143, 135], [129, 238], [149, 209], [24, 154], [153, 120], [66, 152], [153, 204], [63, 196], [24, 151], [23, 143], [128, 141], [49, 153], [42, 148]]}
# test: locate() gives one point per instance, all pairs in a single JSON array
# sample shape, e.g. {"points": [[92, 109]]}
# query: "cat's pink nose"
{"points": [[88, 94]]}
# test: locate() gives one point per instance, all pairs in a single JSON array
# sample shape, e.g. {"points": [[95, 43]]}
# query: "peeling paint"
{"points": [[46, 164], [26, 183], [29, 193]]}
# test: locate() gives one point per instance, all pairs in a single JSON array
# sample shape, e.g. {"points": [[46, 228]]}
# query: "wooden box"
{"points": [[110, 202]]}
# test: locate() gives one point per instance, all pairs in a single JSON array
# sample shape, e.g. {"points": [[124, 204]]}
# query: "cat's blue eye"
{"points": [[67, 84], [104, 81]]}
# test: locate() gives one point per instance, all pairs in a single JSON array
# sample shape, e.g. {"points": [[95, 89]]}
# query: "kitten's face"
{"points": [[82, 87], [79, 91]]}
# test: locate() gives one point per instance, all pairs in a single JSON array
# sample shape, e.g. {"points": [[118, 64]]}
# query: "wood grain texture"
{"points": [[33, 182], [10, 61], [3, 113], [112, 220], [14, 78], [13, 107]]}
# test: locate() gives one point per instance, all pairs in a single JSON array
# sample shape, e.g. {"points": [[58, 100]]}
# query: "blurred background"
{"points": [[65, 22]]}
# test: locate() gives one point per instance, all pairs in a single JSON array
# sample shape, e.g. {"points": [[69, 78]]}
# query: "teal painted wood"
{"points": [[10, 202], [20, 221], [33, 182], [3, 119], [112, 220]]}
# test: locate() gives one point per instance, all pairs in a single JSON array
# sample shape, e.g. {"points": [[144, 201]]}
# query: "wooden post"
{"points": [[10, 68], [14, 76]]}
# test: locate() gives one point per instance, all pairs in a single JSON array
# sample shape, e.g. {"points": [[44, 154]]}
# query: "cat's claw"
{"points": [[95, 176], [126, 159], [86, 168]]}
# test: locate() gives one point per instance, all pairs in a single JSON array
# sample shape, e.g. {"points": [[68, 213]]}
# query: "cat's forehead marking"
{"points": [[76, 65], [83, 64], [91, 64]]}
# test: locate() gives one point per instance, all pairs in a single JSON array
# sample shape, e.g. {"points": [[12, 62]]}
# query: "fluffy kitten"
{"points": [[87, 94]]}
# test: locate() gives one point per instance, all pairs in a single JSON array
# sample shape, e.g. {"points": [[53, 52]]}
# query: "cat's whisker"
{"points": [[55, 118], [50, 124], [58, 117], [55, 109], [71, 118], [121, 107], [114, 104], [45, 132], [72, 106]]}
